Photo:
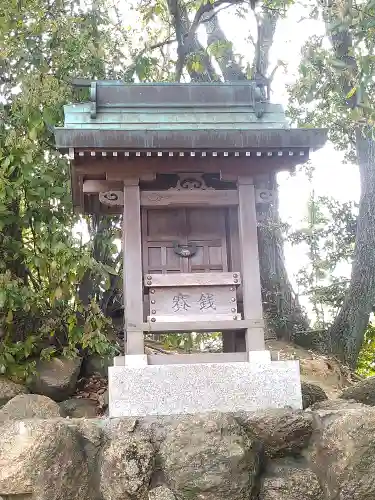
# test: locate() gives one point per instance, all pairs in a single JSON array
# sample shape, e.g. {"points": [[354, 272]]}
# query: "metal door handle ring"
{"points": [[185, 251]]}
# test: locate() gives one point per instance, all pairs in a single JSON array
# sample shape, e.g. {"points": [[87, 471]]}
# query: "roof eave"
{"points": [[228, 140]]}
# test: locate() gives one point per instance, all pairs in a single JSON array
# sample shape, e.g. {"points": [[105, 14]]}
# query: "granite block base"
{"points": [[203, 387]]}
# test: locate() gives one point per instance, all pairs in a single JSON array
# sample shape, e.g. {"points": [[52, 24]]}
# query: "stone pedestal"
{"points": [[203, 387]]}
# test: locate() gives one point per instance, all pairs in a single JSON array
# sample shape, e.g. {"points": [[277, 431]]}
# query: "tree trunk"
{"points": [[347, 332], [346, 335], [284, 316]]}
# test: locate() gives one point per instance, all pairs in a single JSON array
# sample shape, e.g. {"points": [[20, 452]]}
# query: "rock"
{"points": [[27, 406], [56, 378], [209, 457], [343, 453], [311, 394], [79, 408], [127, 464], [161, 493], [336, 404], [43, 459], [94, 364], [92, 439], [104, 398], [289, 479], [9, 389], [282, 432], [362, 392]]}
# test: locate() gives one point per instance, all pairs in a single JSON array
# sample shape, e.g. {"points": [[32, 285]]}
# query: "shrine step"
{"points": [[203, 387]]}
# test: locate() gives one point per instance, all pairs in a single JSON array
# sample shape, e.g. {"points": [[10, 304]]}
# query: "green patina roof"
{"points": [[227, 115]]}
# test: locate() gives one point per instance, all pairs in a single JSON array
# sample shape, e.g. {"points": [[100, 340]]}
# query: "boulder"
{"points": [[290, 479], [9, 389], [43, 459], [311, 394], [79, 408], [56, 378], [92, 439], [343, 453], [362, 392], [104, 399], [94, 364], [127, 464], [336, 404], [209, 457], [27, 406], [161, 493], [281, 432]]}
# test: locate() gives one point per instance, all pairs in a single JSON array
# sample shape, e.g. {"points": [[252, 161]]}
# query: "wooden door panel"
{"points": [[210, 256], [206, 227], [205, 223], [165, 224], [160, 228]]}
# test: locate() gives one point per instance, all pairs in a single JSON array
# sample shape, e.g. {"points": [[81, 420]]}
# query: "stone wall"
{"points": [[326, 453]]}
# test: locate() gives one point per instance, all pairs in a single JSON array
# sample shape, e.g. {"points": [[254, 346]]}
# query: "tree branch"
{"points": [[273, 72], [208, 19], [187, 39], [157, 45], [174, 9], [208, 7], [182, 24], [266, 27]]}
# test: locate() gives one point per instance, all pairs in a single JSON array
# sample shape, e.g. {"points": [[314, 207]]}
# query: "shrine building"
{"points": [[178, 161]]}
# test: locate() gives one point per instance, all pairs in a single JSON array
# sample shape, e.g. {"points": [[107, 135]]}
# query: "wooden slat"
{"points": [[196, 198], [118, 168], [202, 326], [187, 359], [251, 287], [194, 303], [133, 290], [191, 279], [191, 318], [99, 186]]}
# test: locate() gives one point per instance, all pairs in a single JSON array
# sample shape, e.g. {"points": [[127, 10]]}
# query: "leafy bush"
{"points": [[32, 325]]}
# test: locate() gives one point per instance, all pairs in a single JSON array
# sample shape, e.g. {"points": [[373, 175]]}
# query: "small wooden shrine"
{"points": [[178, 161]]}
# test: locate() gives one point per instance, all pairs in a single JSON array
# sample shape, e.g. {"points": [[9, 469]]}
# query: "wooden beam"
{"points": [[99, 186], [190, 318], [202, 326], [251, 287], [191, 279], [188, 359], [133, 290], [118, 168], [198, 198]]}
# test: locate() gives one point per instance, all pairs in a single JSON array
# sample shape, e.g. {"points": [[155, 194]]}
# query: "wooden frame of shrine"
{"points": [[178, 160]]}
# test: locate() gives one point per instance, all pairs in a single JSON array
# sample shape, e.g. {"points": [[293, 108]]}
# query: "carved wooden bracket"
{"points": [[263, 196], [191, 182], [111, 198]]}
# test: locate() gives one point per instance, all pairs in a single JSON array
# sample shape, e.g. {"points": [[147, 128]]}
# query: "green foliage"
{"points": [[43, 265], [336, 84], [192, 341], [38, 324], [336, 90], [366, 360], [328, 237]]}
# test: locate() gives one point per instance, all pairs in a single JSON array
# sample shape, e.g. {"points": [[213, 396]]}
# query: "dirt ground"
{"points": [[316, 368]]}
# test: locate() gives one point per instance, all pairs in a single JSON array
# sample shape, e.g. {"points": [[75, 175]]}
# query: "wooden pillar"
{"points": [[132, 265], [252, 295]]}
